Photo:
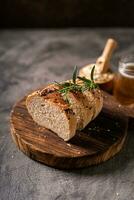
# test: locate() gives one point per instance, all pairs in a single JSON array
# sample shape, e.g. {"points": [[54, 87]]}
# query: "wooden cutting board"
{"points": [[113, 104], [99, 141]]}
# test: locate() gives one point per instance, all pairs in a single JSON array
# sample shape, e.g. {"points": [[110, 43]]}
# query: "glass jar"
{"points": [[124, 84]]}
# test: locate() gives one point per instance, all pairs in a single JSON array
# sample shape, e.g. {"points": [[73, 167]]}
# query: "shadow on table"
{"points": [[118, 163]]}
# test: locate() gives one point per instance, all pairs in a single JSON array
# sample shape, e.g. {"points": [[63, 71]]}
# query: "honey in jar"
{"points": [[124, 86]]}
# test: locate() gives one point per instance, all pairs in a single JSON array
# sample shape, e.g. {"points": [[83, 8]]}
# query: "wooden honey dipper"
{"points": [[103, 61]]}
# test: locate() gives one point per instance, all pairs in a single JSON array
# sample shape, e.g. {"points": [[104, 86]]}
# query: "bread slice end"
{"points": [[52, 116]]}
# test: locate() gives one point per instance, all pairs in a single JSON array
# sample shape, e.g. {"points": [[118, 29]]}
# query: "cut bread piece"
{"points": [[76, 104], [80, 105], [95, 103], [98, 102], [57, 117], [64, 114]]}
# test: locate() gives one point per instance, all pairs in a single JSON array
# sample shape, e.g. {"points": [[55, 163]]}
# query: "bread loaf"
{"points": [[50, 109]]}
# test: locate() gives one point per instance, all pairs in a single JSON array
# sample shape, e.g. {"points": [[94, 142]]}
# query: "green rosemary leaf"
{"points": [[57, 83], [66, 84], [84, 79], [63, 84], [92, 73], [66, 87], [88, 84], [75, 74], [84, 88]]}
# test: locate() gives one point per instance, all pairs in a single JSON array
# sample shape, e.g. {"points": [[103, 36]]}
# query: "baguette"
{"points": [[49, 109]]}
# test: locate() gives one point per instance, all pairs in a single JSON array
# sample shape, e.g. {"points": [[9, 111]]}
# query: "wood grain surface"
{"points": [[99, 141], [111, 103]]}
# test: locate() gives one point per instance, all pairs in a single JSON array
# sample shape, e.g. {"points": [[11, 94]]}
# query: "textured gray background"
{"points": [[28, 59]]}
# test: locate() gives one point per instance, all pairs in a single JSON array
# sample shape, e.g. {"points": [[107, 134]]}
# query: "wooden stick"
{"points": [[103, 61]]}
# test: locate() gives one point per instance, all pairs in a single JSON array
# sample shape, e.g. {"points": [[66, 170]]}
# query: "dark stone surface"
{"points": [[29, 59], [64, 13]]}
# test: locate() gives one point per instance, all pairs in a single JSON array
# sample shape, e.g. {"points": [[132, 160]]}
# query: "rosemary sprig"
{"points": [[88, 84], [75, 74], [92, 73], [66, 87]]}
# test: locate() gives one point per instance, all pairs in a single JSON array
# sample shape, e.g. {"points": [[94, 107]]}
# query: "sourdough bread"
{"points": [[49, 109]]}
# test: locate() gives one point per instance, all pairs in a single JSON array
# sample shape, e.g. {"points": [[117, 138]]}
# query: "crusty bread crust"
{"points": [[53, 113], [75, 114]]}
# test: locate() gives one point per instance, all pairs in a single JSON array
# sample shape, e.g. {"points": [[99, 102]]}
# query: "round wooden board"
{"points": [[111, 102], [99, 141]]}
